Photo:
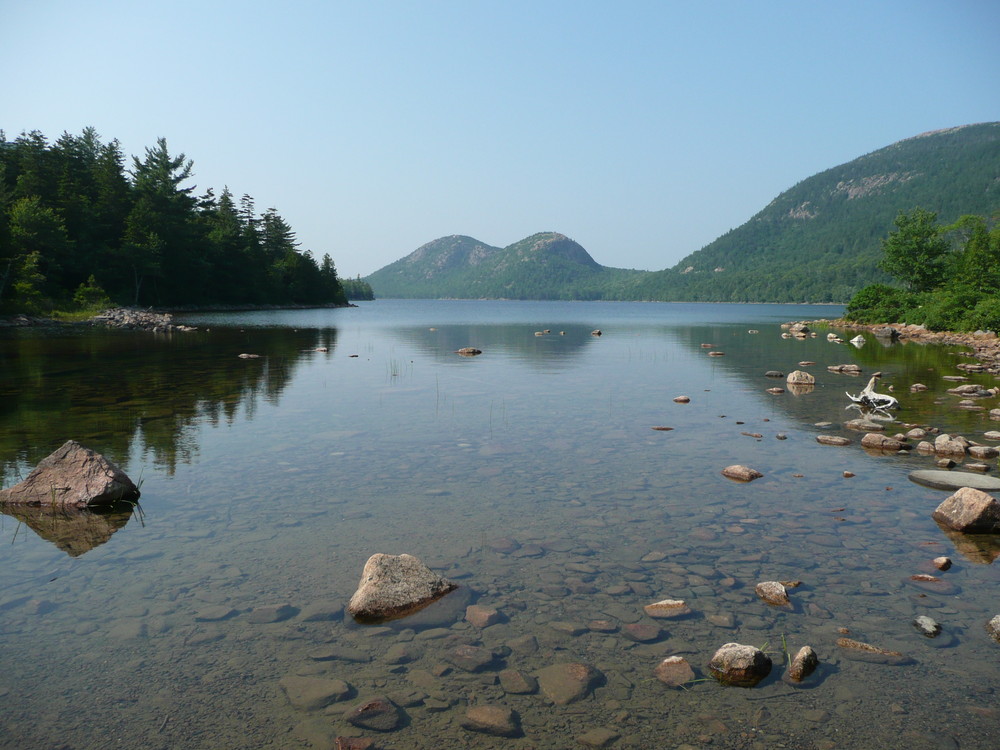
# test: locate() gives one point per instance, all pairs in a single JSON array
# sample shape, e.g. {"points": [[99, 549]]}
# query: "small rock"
{"points": [[799, 377], [740, 473], [859, 651], [599, 737], [481, 617], [942, 563], [875, 441], [271, 613], [377, 713], [682, 399], [803, 664], [517, 682], [917, 387], [313, 693], [470, 658], [773, 593], [832, 440], [642, 632], [394, 586], [468, 351], [993, 628], [674, 671], [498, 721], [739, 665], [569, 682], [667, 609], [927, 626]]}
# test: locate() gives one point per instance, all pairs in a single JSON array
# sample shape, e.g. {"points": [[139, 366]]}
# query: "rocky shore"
{"points": [[138, 320], [983, 345]]}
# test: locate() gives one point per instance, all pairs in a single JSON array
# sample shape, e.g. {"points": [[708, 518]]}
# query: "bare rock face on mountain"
{"points": [[394, 586], [72, 477]]}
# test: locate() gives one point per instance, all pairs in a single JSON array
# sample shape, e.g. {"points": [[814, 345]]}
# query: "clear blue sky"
{"points": [[643, 130]]}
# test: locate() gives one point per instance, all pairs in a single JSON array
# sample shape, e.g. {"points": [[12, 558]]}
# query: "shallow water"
{"points": [[270, 481]]}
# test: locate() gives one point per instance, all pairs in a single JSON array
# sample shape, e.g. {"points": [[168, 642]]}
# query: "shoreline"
{"points": [[985, 346]]}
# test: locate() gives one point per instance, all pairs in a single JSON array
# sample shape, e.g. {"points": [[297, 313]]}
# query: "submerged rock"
{"points": [[498, 721], [567, 683], [954, 480], [667, 609], [859, 651], [377, 713], [739, 665], [674, 671], [394, 586], [313, 693], [72, 477]]}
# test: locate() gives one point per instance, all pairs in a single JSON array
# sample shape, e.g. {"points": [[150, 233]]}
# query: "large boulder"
{"points": [[739, 665], [394, 586], [72, 477], [969, 510]]}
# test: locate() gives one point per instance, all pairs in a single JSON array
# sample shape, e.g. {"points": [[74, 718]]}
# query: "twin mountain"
{"points": [[819, 241]]}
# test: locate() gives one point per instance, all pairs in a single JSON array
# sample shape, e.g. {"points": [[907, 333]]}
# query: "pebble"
{"points": [[667, 609], [928, 626]]}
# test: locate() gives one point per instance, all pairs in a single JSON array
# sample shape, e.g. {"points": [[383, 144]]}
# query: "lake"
{"points": [[530, 475]]}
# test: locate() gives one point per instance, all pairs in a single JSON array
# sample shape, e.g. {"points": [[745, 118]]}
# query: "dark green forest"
{"points": [[81, 227], [948, 275]]}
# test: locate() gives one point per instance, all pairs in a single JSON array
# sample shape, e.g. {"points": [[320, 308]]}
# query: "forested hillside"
{"points": [[80, 228], [820, 240]]}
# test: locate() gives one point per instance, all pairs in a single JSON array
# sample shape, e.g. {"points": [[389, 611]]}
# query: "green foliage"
{"points": [[357, 289], [963, 295], [916, 253], [72, 218], [880, 303], [90, 296]]}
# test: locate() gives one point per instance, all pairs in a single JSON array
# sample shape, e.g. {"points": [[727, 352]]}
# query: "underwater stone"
{"points": [[739, 665]]}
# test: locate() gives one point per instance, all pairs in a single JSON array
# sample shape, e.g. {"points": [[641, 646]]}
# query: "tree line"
{"points": [[948, 275], [78, 228]]}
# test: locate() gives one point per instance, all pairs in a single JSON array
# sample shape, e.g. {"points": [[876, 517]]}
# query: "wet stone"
{"points": [[667, 609], [271, 613], [773, 593], [739, 665], [517, 682], [214, 614], [336, 652], [481, 617], [803, 664], [470, 658], [321, 612], [569, 682], [674, 671], [497, 721], [860, 651], [376, 713], [642, 632], [313, 693]]}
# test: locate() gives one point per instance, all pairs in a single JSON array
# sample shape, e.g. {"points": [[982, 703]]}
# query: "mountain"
{"points": [[547, 265], [819, 241]]}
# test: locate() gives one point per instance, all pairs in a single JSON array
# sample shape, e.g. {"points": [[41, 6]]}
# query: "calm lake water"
{"points": [[530, 475]]}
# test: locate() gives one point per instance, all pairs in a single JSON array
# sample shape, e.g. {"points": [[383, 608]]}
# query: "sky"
{"points": [[641, 129]]}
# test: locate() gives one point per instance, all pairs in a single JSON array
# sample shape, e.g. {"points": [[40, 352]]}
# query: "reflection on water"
{"points": [[71, 530], [530, 476], [117, 391]]}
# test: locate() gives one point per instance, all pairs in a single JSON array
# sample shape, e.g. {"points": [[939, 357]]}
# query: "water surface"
{"points": [[529, 474]]}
